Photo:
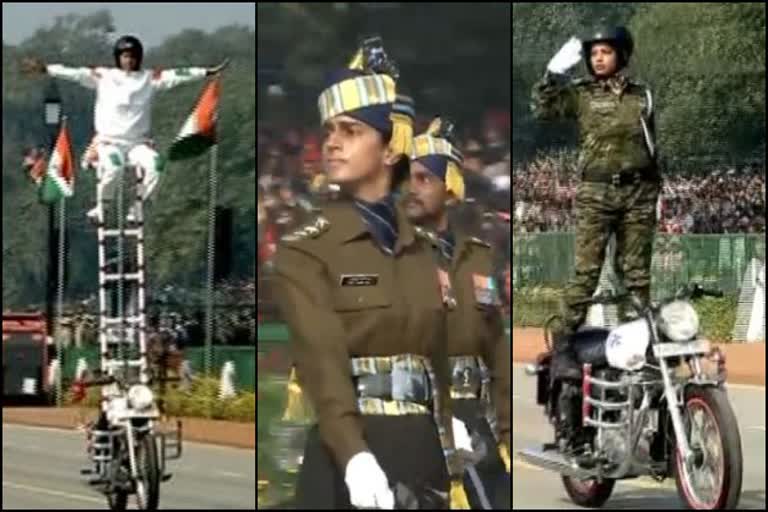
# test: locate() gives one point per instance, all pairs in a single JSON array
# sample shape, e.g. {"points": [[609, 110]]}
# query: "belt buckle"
{"points": [[408, 385], [465, 380], [616, 180]]}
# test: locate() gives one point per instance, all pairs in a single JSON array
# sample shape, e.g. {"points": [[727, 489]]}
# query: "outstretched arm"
{"points": [[87, 77], [169, 78]]}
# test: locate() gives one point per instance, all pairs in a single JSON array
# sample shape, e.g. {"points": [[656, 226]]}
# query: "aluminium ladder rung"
{"points": [[128, 276], [131, 363], [120, 320], [125, 232]]}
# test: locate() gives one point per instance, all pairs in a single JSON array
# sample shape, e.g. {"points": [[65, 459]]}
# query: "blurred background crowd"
{"points": [[718, 200]]}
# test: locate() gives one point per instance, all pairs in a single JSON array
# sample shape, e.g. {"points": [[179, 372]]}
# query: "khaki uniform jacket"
{"points": [[476, 327], [342, 297]]}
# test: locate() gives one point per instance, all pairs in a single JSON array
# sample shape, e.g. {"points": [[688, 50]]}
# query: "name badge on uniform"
{"points": [[446, 290], [485, 290], [359, 279]]}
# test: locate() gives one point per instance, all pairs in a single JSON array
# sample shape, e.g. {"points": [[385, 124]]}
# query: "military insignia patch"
{"points": [[486, 292]]}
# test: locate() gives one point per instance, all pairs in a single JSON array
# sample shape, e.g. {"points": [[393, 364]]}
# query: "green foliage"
{"points": [[201, 400], [717, 317]]}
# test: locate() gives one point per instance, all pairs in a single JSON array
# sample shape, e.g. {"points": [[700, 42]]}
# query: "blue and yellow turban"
{"points": [[367, 91], [437, 151]]}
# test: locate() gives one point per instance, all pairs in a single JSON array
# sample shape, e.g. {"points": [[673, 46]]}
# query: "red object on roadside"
{"points": [[78, 391], [269, 245]]}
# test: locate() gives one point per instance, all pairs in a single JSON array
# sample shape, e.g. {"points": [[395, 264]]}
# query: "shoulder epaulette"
{"points": [[425, 234], [311, 230]]}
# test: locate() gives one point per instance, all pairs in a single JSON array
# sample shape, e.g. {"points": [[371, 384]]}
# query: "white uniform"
{"points": [[122, 117]]}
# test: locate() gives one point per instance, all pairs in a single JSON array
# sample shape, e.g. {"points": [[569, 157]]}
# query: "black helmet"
{"points": [[618, 37], [128, 44]]}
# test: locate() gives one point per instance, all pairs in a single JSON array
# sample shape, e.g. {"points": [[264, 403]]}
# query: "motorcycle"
{"points": [[646, 404], [127, 449]]}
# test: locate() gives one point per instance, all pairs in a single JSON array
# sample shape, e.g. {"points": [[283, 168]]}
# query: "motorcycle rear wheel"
{"points": [[588, 493]]}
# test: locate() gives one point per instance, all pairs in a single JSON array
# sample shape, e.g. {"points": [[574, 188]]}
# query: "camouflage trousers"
{"points": [[604, 210]]}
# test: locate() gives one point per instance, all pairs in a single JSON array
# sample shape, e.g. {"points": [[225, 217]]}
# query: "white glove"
{"points": [[461, 437], [368, 485], [568, 56]]}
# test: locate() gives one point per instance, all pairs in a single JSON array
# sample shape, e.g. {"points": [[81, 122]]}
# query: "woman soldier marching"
{"points": [[367, 322]]}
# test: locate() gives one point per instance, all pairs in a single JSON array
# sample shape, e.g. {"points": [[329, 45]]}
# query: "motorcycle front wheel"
{"points": [[148, 483], [713, 480]]}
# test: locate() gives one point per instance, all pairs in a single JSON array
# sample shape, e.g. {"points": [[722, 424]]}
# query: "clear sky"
{"points": [[152, 22]]}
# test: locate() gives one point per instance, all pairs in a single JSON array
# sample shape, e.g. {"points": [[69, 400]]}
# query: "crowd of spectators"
{"points": [[719, 201]]}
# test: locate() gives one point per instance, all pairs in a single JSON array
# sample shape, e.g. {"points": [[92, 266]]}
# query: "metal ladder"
{"points": [[122, 326]]}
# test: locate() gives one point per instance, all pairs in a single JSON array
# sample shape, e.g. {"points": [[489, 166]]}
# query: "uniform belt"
{"points": [[405, 368], [619, 179], [404, 386], [469, 377], [392, 386]]}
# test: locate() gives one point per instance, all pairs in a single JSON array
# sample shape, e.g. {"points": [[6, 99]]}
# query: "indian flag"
{"points": [[199, 132], [59, 178]]}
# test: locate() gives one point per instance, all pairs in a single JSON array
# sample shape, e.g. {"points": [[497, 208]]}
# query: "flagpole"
{"points": [[52, 118], [60, 283], [60, 297], [212, 200]]}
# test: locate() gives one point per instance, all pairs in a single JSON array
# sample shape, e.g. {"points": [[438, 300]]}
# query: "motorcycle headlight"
{"points": [[679, 321], [140, 397]]}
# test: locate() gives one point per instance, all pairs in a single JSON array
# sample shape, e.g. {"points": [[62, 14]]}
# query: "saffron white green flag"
{"points": [[59, 178], [199, 132]]}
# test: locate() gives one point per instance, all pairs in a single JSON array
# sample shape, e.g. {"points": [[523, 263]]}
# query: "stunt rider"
{"points": [[620, 179], [122, 115]]}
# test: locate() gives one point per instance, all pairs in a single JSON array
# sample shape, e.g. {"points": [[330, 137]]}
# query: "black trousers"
{"points": [[495, 483], [406, 447]]}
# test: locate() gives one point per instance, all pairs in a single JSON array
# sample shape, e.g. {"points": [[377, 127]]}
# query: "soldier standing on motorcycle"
{"points": [[477, 346], [620, 181]]}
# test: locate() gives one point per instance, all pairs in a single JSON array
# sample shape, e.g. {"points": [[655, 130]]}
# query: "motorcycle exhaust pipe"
{"points": [[553, 461]]}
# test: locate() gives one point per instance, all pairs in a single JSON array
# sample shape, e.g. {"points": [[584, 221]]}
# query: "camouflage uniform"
{"points": [[620, 181]]}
